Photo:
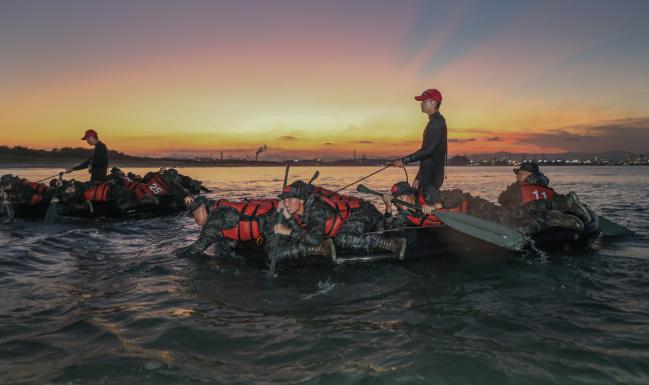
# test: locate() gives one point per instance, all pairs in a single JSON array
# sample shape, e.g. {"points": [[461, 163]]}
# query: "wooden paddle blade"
{"points": [[487, 231], [612, 229]]}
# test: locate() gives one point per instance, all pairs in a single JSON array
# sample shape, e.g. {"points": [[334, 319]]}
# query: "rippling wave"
{"points": [[105, 302]]}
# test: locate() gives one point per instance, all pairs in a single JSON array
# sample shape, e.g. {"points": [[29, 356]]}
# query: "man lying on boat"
{"points": [[529, 205], [311, 217]]}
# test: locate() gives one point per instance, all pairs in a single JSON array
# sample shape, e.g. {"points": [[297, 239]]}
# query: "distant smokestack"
{"points": [[259, 151]]}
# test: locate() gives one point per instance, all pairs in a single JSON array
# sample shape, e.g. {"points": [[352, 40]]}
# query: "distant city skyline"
{"points": [[324, 79]]}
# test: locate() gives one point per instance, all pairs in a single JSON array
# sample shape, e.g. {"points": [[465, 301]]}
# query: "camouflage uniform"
{"points": [[219, 219]]}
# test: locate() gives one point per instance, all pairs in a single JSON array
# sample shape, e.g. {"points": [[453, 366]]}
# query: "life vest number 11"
{"points": [[538, 195], [157, 190]]}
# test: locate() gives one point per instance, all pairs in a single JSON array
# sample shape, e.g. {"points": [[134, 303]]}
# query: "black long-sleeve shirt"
{"points": [[97, 163], [432, 154]]}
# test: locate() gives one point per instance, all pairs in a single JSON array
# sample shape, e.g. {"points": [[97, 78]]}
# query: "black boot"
{"points": [[566, 221], [397, 246], [326, 249]]}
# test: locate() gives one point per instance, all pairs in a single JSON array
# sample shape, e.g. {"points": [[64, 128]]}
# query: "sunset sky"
{"points": [[322, 78]]}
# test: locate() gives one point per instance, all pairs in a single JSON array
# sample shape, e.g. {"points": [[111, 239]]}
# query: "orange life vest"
{"points": [[249, 212], [534, 192], [431, 220], [38, 188], [97, 193], [343, 210]]}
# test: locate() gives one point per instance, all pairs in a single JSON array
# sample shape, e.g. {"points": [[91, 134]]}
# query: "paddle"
{"points": [[612, 229], [50, 177], [363, 178], [487, 231], [52, 209], [273, 258]]}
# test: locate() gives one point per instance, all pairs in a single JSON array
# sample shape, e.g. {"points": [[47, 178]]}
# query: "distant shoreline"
{"points": [[253, 164], [18, 157]]}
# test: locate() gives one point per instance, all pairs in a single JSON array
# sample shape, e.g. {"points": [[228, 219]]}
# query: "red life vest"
{"points": [[38, 188], [249, 211], [323, 192], [534, 192], [342, 210], [97, 193], [431, 220], [157, 185], [36, 199], [139, 189]]}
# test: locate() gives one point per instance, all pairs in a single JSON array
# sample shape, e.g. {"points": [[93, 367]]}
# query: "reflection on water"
{"points": [[108, 302]]}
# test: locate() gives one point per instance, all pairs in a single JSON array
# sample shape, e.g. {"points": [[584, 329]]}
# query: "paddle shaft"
{"points": [[49, 177], [314, 177], [363, 178], [273, 259]]}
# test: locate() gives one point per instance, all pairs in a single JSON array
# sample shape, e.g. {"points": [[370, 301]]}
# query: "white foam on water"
{"points": [[323, 288]]}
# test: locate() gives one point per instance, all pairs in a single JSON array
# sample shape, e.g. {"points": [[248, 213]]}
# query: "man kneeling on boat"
{"points": [[532, 190], [311, 217], [525, 217]]}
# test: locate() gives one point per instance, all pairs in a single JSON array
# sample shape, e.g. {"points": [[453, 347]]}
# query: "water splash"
{"points": [[532, 254], [323, 288]]}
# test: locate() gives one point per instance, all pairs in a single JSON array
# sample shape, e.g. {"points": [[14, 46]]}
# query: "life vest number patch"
{"points": [[155, 188], [539, 194]]}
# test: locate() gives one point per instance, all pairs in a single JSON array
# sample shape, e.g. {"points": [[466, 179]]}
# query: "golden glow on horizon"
{"points": [[322, 93]]}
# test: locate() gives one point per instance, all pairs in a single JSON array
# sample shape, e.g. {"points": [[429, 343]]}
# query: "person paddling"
{"points": [[97, 164], [432, 154]]}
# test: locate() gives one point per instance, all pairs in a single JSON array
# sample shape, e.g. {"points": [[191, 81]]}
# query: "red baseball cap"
{"points": [[89, 133], [430, 94]]}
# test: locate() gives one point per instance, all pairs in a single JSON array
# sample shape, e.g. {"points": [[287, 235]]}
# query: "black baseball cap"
{"points": [[528, 166]]}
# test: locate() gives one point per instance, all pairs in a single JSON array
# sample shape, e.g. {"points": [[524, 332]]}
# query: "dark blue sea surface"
{"points": [[108, 302]]}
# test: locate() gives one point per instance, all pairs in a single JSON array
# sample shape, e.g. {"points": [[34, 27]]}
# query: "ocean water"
{"points": [[107, 302]]}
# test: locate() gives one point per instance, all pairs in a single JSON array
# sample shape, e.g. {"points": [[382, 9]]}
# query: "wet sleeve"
{"points": [[396, 221], [432, 138], [83, 165], [217, 221], [511, 196], [313, 233]]}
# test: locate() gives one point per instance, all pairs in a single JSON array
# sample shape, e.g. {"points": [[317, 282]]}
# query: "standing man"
{"points": [[97, 164], [432, 155]]}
